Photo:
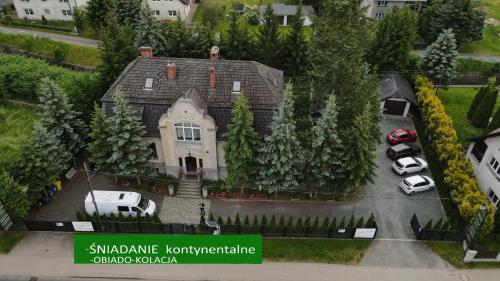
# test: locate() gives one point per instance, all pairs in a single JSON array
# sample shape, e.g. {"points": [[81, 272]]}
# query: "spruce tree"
{"points": [[148, 32], [239, 43], [460, 15], [440, 58], [179, 40], [476, 101], [130, 154], [281, 154], [394, 41], [58, 117], [481, 116], [240, 148], [117, 50], [268, 45], [128, 12], [295, 59], [358, 165], [98, 11], [100, 147], [325, 156]]}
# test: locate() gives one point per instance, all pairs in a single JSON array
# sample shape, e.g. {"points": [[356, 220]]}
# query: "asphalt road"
{"points": [[54, 36], [484, 58]]}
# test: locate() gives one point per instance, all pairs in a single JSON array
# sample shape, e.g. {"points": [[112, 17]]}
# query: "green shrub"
{"points": [[360, 222], [438, 224], [299, 223], [334, 223], [246, 221], [237, 220], [255, 220], [44, 20], [290, 222], [211, 217], [220, 221], [351, 221], [263, 221], [326, 222], [370, 223], [428, 225], [229, 221], [342, 223], [316, 222], [273, 221], [281, 221]]}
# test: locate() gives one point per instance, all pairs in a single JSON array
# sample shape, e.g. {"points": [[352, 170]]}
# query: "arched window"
{"points": [[188, 131], [152, 147]]}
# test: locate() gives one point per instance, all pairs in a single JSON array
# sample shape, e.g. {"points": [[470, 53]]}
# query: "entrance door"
{"points": [[190, 164]]}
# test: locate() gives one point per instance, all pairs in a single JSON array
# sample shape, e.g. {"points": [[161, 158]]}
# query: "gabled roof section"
{"points": [[282, 9], [261, 84], [395, 86]]}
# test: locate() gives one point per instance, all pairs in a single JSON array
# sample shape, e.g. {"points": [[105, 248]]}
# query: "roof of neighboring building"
{"points": [[262, 86], [185, 2], [395, 86], [281, 9], [492, 134]]}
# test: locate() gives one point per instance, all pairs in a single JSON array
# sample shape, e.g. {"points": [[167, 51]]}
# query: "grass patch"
{"points": [[315, 250], [9, 240], [453, 253], [73, 53], [489, 45], [17, 123], [457, 102]]}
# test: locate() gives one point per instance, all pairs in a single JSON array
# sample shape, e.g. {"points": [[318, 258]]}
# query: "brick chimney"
{"points": [[212, 77], [214, 53], [171, 71], [146, 52]]}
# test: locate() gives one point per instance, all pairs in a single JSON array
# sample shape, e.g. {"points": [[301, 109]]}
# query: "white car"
{"points": [[414, 184], [409, 165]]}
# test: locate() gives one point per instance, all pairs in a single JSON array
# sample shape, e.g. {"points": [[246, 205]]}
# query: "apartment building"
{"points": [[378, 9]]}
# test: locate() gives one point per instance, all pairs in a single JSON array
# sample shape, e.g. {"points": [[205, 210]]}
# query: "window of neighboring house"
{"points": [[379, 16], [156, 0], [155, 12], [65, 1], [29, 11], [122, 209], [152, 146], [47, 11], [188, 132], [382, 3], [67, 12], [478, 150], [180, 161], [201, 162], [493, 197], [172, 13], [149, 84], [495, 166]]}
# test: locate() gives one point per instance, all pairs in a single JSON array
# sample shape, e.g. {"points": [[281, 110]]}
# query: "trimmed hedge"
{"points": [[41, 26], [458, 172]]}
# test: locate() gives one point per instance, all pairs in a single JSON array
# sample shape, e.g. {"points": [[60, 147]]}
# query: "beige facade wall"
{"points": [[185, 110]]}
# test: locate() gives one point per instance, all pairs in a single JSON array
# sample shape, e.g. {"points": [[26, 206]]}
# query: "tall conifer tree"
{"points": [[268, 38], [100, 146], [440, 58]]}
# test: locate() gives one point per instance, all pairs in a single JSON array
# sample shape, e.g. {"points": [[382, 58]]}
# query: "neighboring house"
{"points": [[378, 9], [5, 3], [51, 9], [286, 13], [484, 153], [169, 9], [185, 105], [63, 9], [397, 97]]}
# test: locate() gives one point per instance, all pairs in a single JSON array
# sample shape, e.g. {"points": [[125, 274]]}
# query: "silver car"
{"points": [[409, 165]]}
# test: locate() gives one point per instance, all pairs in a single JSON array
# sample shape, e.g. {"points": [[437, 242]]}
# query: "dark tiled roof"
{"points": [[395, 86], [262, 85]]}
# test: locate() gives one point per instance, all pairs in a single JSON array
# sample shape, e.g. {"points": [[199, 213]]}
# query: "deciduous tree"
{"points": [[13, 197]]}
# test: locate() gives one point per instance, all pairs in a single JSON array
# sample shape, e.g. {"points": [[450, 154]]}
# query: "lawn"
{"points": [[315, 250], [73, 53], [490, 45], [456, 102], [17, 123], [9, 240], [453, 253]]}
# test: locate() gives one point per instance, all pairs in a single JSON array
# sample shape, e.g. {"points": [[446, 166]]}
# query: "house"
{"points": [[5, 3], [50, 9], [286, 13], [397, 97], [63, 9], [169, 9], [185, 105], [378, 9], [484, 153]]}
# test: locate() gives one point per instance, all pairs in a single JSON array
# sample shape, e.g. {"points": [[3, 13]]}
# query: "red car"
{"points": [[400, 136]]}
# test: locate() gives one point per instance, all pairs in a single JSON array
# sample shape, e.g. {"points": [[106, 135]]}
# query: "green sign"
{"points": [[167, 249]]}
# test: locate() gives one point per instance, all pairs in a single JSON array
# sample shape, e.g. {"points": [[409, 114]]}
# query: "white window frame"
{"points": [[379, 16], [492, 196], [28, 11], [185, 128], [47, 11], [382, 3], [172, 13], [494, 166]]}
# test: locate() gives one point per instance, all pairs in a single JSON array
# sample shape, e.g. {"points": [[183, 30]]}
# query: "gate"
{"points": [[49, 226], [415, 226]]}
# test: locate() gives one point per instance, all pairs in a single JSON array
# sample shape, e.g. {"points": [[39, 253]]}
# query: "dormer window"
{"points": [[149, 84], [236, 87]]}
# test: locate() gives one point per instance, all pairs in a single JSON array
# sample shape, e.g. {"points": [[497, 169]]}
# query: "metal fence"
{"points": [[435, 234]]}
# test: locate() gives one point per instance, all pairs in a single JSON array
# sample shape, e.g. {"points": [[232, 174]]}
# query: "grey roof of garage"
{"points": [[262, 86], [395, 86]]}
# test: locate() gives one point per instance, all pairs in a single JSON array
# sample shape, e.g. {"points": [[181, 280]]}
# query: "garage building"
{"points": [[397, 96]]}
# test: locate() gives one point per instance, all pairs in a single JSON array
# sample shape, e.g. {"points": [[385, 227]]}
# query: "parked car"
{"points": [[116, 202], [414, 184], [401, 136], [409, 165], [403, 150]]}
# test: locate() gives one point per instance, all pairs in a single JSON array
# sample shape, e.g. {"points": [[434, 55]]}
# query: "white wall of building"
{"points": [[51, 9], [378, 9], [168, 9], [486, 175]]}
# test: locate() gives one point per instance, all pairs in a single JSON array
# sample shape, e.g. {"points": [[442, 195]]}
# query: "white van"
{"points": [[116, 202]]}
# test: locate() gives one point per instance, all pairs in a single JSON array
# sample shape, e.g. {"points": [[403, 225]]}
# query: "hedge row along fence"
{"points": [[40, 26], [458, 172]]}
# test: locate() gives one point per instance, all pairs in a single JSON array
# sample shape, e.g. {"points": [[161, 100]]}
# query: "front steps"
{"points": [[189, 188]]}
